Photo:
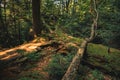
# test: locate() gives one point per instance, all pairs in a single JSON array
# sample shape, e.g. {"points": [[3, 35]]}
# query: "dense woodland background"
{"points": [[70, 16], [22, 21]]}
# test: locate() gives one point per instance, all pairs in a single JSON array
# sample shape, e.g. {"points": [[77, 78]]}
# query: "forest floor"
{"points": [[15, 64], [29, 61], [28, 47], [12, 54]]}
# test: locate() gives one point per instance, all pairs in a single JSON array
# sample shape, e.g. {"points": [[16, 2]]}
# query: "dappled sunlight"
{"points": [[10, 56], [29, 47], [59, 39], [6, 51]]}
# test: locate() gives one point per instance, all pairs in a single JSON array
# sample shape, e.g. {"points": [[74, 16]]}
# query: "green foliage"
{"points": [[33, 56], [16, 22], [109, 23], [85, 73], [76, 40], [32, 75], [59, 64], [100, 50], [109, 61], [29, 66], [97, 49], [25, 78], [97, 75], [16, 16], [21, 51]]}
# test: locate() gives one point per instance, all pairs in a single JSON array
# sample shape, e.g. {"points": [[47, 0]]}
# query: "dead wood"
{"points": [[73, 68], [110, 71], [13, 57], [51, 43], [99, 58]]}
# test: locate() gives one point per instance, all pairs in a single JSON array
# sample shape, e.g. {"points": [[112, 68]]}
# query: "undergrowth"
{"points": [[59, 64], [32, 75], [100, 57], [57, 67], [85, 73], [33, 56]]}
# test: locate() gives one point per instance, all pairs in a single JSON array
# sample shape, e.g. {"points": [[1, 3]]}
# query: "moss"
{"points": [[75, 40], [97, 49], [109, 61]]}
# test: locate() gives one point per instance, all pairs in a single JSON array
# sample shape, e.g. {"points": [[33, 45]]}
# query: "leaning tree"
{"points": [[73, 68]]}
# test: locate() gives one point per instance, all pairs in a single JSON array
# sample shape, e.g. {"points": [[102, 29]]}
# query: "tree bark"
{"points": [[37, 24], [73, 68]]}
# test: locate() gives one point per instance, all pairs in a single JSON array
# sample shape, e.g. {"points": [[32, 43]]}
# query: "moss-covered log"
{"points": [[105, 64]]}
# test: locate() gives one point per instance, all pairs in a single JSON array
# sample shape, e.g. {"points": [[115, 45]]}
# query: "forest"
{"points": [[59, 39]]}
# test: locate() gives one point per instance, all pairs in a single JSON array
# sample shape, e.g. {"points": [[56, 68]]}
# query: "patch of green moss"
{"points": [[109, 61], [97, 49]]}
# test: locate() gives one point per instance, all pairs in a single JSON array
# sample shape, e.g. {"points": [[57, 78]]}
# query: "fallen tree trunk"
{"points": [[113, 71], [73, 68]]}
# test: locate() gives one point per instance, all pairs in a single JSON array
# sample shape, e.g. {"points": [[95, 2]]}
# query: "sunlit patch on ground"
{"points": [[29, 47]]}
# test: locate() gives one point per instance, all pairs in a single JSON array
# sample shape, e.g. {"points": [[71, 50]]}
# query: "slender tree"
{"points": [[67, 6], [1, 18], [73, 68]]}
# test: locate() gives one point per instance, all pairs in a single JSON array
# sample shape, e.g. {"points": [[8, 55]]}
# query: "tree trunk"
{"points": [[37, 25], [109, 50], [1, 18], [97, 62], [73, 68], [67, 6]]}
